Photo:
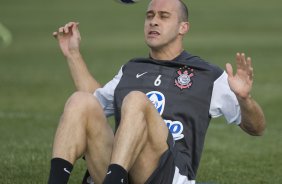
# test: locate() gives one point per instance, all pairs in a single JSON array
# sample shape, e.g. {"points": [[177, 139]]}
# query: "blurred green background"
{"points": [[35, 81]]}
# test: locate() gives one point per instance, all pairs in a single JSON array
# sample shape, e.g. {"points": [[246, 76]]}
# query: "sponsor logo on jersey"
{"points": [[175, 127], [183, 80], [158, 100]]}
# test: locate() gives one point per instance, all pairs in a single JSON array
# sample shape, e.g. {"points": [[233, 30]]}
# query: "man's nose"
{"points": [[154, 22]]}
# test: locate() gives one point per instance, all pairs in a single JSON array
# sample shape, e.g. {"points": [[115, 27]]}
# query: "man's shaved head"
{"points": [[184, 13]]}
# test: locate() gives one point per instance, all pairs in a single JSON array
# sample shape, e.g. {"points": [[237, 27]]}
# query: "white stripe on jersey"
{"points": [[224, 101], [105, 95], [181, 179]]}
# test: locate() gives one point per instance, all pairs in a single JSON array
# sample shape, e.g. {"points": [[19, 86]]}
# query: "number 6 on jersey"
{"points": [[158, 81]]}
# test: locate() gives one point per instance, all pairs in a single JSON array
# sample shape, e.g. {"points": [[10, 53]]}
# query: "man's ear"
{"points": [[184, 28]]}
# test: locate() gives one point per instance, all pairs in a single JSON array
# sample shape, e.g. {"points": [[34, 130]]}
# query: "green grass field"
{"points": [[35, 81]]}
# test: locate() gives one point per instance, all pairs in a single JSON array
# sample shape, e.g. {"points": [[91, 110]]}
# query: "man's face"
{"points": [[162, 24]]}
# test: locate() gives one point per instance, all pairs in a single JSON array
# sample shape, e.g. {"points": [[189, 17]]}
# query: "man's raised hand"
{"points": [[69, 38], [241, 82]]}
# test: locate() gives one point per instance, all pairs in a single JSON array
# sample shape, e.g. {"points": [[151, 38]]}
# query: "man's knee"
{"points": [[82, 102], [135, 100]]}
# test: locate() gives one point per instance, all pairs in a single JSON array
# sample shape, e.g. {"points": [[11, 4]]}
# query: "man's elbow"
{"points": [[254, 130], [258, 133]]}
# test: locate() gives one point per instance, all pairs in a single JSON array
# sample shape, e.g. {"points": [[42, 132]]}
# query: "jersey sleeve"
{"points": [[105, 95], [224, 101]]}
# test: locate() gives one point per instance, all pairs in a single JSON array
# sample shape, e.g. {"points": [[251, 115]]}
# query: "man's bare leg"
{"points": [[140, 139], [83, 130]]}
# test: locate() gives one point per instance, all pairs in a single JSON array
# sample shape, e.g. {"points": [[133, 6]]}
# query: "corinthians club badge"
{"points": [[183, 81]]}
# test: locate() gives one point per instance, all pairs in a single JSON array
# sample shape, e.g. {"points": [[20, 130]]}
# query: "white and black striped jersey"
{"points": [[187, 92]]}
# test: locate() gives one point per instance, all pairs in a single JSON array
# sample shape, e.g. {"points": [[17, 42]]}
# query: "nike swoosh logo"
{"points": [[65, 169], [109, 172], [139, 75]]}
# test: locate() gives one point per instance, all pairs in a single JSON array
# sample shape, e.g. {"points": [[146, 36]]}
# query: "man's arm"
{"points": [[253, 121], [69, 40]]}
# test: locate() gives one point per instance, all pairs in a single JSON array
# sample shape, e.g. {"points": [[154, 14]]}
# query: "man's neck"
{"points": [[167, 55]]}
